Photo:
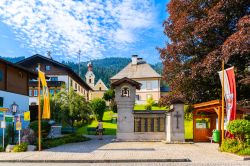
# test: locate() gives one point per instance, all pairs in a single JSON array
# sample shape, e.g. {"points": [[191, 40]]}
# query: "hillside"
{"points": [[103, 68]]}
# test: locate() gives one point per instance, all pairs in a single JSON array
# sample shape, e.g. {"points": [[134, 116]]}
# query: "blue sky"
{"points": [[108, 28]]}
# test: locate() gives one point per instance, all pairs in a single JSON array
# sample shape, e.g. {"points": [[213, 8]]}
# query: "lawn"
{"points": [[110, 128], [142, 107]]}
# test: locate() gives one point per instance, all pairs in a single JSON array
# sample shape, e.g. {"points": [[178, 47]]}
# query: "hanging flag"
{"points": [[46, 104], [26, 116], [230, 94]]}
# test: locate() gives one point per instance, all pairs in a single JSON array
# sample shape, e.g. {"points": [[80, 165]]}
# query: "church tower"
{"points": [[90, 77]]}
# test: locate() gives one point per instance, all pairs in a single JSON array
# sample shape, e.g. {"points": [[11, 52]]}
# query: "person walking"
{"points": [[100, 129]]}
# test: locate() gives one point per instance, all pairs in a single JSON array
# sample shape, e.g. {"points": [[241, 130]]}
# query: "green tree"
{"points": [[73, 107], [109, 95], [98, 106]]}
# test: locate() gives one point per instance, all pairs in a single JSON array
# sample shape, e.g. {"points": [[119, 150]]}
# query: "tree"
{"points": [[202, 33], [109, 95], [98, 106], [73, 107]]}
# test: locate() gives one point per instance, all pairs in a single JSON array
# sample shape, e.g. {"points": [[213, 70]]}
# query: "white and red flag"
{"points": [[230, 94]]}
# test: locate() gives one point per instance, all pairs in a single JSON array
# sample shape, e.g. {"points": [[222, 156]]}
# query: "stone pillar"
{"points": [[125, 106], [175, 131]]}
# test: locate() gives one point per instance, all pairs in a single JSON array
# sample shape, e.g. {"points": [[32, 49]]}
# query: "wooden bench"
{"points": [[91, 129]]}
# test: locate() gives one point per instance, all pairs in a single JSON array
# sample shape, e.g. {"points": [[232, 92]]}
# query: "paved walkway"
{"points": [[107, 150]]}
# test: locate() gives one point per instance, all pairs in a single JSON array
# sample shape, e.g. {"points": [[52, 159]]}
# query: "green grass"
{"points": [[188, 129], [142, 107], [110, 128]]}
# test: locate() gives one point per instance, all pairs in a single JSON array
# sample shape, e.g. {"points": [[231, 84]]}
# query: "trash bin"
{"points": [[216, 135]]}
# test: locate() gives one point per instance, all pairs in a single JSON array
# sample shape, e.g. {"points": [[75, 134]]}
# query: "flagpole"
{"points": [[222, 103], [39, 113]]}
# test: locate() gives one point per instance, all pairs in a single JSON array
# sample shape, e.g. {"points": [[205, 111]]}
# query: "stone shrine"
{"points": [[156, 125]]}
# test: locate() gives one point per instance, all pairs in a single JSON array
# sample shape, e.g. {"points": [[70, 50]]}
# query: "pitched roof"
{"points": [[141, 70], [78, 78], [126, 80], [32, 73], [100, 81]]}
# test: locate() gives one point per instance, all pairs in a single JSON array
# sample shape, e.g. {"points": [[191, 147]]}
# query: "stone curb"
{"points": [[237, 156], [96, 161]]}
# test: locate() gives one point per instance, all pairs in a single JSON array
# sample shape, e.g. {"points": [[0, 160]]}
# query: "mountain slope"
{"points": [[103, 68]]}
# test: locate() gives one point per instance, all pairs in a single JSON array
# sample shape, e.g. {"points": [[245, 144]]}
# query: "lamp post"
{"points": [[14, 108]]}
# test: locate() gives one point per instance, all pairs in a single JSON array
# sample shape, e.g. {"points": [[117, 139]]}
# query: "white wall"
{"points": [[33, 100], [154, 85], [9, 98]]}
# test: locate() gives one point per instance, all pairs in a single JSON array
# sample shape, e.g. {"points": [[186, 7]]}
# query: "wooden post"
{"points": [[222, 105], [219, 123], [39, 113]]}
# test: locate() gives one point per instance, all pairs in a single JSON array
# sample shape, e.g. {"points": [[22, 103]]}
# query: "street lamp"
{"points": [[14, 108]]}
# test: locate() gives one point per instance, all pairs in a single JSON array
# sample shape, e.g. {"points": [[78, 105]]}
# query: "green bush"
{"points": [[148, 107], [45, 127], [71, 138], [230, 145], [150, 103], [240, 129], [20, 148], [245, 151], [98, 105], [1, 149]]}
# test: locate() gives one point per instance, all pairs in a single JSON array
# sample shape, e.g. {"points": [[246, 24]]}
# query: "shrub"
{"points": [[148, 107], [98, 105], [28, 136], [239, 128], [20, 148], [1, 149], [230, 145], [71, 138], [45, 126], [150, 103]]}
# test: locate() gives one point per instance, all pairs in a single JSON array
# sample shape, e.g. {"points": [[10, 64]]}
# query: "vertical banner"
{"points": [[230, 94]]}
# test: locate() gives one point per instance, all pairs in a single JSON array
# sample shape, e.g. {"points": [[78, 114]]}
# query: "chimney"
{"points": [[90, 67], [134, 59]]}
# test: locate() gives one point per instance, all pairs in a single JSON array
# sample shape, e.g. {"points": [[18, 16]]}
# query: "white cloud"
{"points": [[66, 26]]}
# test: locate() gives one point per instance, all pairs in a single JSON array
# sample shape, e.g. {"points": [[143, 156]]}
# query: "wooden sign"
{"points": [[18, 126]]}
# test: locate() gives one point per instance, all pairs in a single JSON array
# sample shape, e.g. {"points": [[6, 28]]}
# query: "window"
{"points": [[54, 79], [78, 87], [149, 85], [71, 83], [1, 101], [20, 74], [47, 68], [35, 92], [100, 88], [41, 91], [90, 80], [1, 75], [51, 91], [137, 97], [57, 91], [75, 86], [30, 92]]}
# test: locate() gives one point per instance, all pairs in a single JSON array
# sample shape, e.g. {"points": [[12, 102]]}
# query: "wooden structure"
{"points": [[207, 114], [204, 119]]}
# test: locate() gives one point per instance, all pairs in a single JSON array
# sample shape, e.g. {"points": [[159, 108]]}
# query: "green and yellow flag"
{"points": [[46, 104]]}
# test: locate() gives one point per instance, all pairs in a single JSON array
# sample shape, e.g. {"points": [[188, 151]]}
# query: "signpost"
{"points": [[19, 128], [3, 123]]}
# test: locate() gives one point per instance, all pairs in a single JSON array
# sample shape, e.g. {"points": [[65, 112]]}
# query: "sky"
{"points": [[99, 28]]}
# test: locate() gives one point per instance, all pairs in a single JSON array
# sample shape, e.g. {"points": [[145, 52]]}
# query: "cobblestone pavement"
{"points": [[199, 153]]}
